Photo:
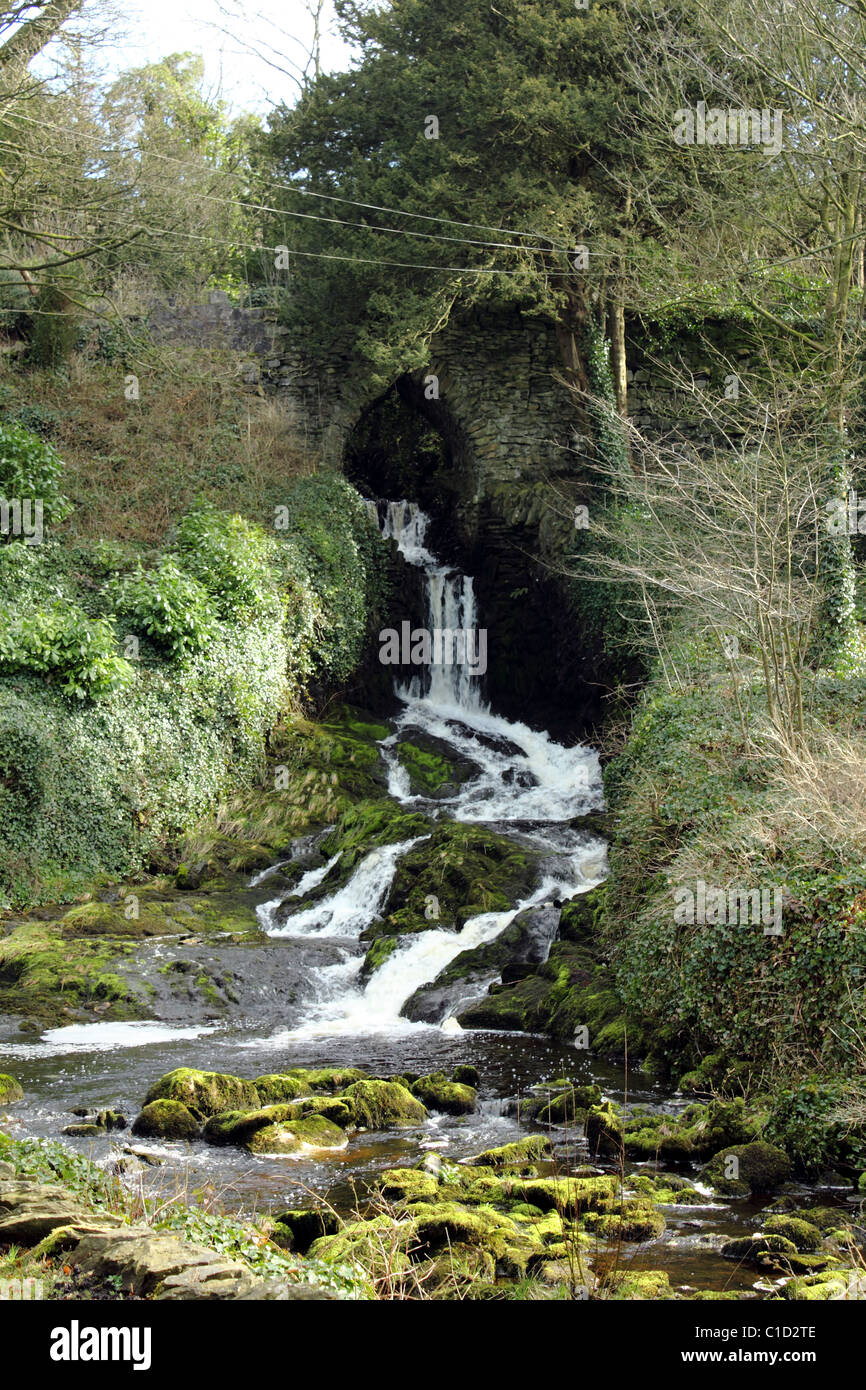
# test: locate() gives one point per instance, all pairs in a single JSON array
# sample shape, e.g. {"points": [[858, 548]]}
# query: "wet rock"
{"points": [[517, 1155], [526, 939], [383, 1105], [290, 1136], [204, 1093], [10, 1090], [30, 1211], [759, 1167], [82, 1131], [166, 1119], [436, 1092]]}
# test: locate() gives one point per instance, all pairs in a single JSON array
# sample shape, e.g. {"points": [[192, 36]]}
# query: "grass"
{"points": [[133, 467]]}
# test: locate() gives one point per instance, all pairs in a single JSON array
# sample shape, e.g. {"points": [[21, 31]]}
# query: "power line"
{"points": [[309, 193]]}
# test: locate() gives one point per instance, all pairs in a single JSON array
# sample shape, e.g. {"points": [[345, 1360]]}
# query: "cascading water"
{"points": [[524, 784], [453, 676]]}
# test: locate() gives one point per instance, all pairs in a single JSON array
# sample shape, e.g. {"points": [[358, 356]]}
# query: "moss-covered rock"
{"points": [[820, 1288], [757, 1167], [10, 1090], [383, 1105], [166, 1119], [520, 1154], [752, 1248], [408, 1185], [292, 1136], [205, 1093], [805, 1237], [636, 1220], [644, 1285], [570, 1196], [378, 1246], [238, 1126], [331, 1107], [603, 1130], [330, 1079], [436, 1092], [277, 1089], [466, 1075]]}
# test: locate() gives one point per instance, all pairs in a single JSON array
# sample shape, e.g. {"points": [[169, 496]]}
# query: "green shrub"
{"points": [[229, 556], [31, 468], [328, 527], [170, 607], [61, 642]]}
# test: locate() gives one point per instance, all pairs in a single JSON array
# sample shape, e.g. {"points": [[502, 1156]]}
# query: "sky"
{"points": [[241, 62]]}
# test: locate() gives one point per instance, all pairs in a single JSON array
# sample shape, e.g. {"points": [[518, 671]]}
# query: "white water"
{"points": [[523, 778], [451, 608]]}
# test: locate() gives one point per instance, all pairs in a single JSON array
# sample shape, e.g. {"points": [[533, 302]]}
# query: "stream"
{"points": [[524, 786]]}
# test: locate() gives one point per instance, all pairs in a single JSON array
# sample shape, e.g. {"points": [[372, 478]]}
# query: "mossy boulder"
{"points": [[277, 1089], [205, 1093], [603, 1130], [379, 1246], [753, 1248], [569, 1196], [569, 1106], [10, 1090], [383, 1105], [467, 1075], [238, 1126], [166, 1119], [436, 1092], [636, 1220], [805, 1237], [520, 1154], [287, 1137], [329, 1079], [330, 1107], [408, 1185], [756, 1167], [643, 1285], [458, 1266], [820, 1288]]}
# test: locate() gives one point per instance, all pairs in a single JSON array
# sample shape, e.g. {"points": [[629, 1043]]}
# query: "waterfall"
{"points": [[521, 778], [451, 609]]}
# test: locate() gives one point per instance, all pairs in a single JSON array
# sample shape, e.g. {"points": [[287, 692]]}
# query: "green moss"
{"points": [[636, 1220], [10, 1090], [298, 1228], [330, 1107], [436, 1092], [325, 1078], [760, 1167], [238, 1126], [517, 1155], [570, 1196], [408, 1185], [646, 1285], [368, 824], [205, 1093], [289, 1136], [166, 1119], [805, 1237], [276, 1089], [383, 1105], [378, 1246]]}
